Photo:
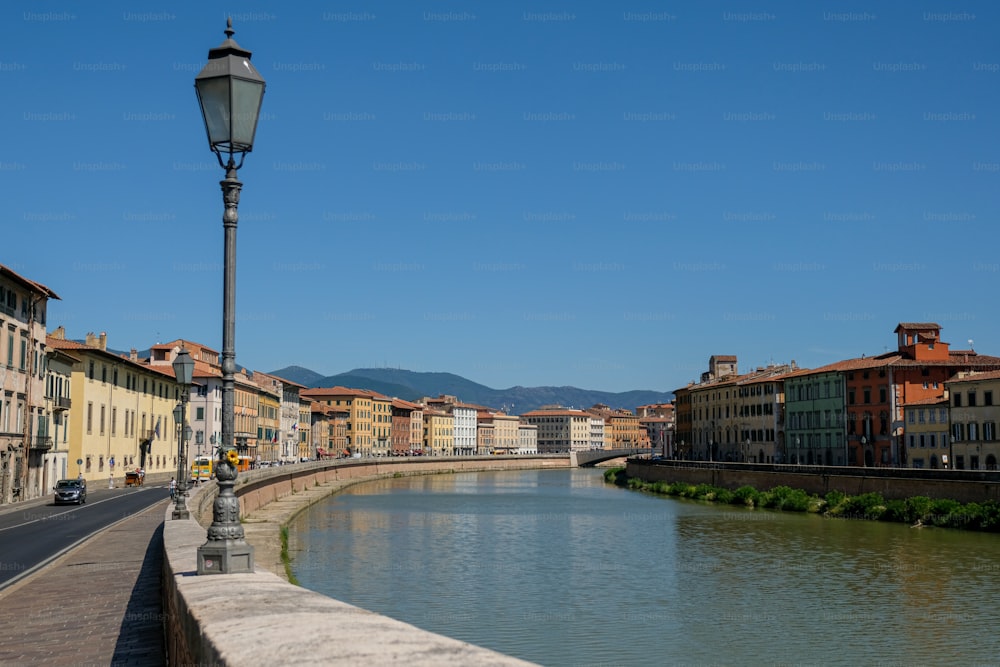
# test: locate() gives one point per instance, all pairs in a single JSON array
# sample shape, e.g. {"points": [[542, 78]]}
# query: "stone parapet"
{"points": [[259, 618]]}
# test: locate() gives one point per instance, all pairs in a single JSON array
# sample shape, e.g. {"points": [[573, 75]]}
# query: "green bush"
{"points": [[866, 506], [682, 489], [724, 496], [941, 511], [704, 492], [872, 506], [917, 508], [835, 501], [895, 510], [788, 499], [745, 495], [635, 483]]}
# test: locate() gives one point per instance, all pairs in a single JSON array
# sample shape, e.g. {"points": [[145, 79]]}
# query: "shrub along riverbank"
{"points": [[919, 510]]}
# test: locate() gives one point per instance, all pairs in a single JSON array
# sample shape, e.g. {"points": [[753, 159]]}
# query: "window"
{"points": [[114, 420], [911, 419], [868, 395], [199, 414], [973, 431], [90, 371], [956, 432], [989, 431], [102, 420], [881, 395], [921, 417], [987, 398], [24, 354], [850, 397], [972, 399], [90, 418], [956, 400]]}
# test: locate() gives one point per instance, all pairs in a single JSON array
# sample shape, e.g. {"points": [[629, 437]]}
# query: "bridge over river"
{"points": [[583, 459]]}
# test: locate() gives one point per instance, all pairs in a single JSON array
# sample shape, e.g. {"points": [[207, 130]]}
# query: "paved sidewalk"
{"points": [[99, 604]]}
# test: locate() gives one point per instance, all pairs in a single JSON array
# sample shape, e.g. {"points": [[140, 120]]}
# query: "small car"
{"points": [[71, 491]]}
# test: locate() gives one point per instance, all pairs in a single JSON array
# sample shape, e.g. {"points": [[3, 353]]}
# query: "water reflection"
{"points": [[559, 568]]}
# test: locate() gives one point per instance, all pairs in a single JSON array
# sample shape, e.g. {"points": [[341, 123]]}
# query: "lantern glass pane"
{"points": [[246, 105], [214, 96]]}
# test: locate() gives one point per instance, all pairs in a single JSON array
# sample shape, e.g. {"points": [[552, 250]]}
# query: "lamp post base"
{"points": [[225, 557], [180, 514]]}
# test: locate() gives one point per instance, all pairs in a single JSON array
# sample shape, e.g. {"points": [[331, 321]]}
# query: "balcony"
{"points": [[61, 403], [41, 443]]}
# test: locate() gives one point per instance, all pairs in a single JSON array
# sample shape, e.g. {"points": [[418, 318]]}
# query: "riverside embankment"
{"points": [[964, 486], [260, 618]]}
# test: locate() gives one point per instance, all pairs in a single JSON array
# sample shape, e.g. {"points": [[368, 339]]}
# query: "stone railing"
{"points": [[260, 619]]}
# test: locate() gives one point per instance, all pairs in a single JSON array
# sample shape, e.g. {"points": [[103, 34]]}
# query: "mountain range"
{"points": [[412, 385]]}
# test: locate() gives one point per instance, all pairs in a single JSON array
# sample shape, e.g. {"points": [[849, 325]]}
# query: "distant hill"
{"points": [[411, 385], [303, 376]]}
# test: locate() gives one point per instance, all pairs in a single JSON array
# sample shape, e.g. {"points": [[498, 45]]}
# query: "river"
{"points": [[559, 568]]}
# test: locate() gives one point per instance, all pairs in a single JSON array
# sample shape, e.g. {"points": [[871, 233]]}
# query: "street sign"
{"points": [[79, 462]]}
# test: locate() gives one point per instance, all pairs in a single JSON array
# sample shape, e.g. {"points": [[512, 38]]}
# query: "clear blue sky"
{"points": [[598, 194]]}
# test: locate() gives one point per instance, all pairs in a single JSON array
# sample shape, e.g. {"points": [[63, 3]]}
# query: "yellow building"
{"points": [[975, 410], [439, 432], [246, 410], [123, 412], [269, 444], [622, 429], [303, 429], [926, 437], [381, 425], [501, 433], [362, 436]]}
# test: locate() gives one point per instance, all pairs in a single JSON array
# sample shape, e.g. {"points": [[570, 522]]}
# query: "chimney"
{"points": [[104, 341], [59, 333], [133, 355], [91, 340]]}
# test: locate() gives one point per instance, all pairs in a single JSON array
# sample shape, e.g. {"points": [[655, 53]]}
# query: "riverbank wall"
{"points": [[260, 618], [893, 483]]}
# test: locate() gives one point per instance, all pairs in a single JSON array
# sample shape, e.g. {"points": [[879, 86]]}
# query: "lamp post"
{"points": [[183, 370], [230, 91]]}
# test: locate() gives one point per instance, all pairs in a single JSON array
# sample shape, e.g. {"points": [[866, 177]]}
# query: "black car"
{"points": [[71, 491]]}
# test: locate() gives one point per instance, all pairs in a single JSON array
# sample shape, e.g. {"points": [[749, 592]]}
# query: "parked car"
{"points": [[71, 491]]}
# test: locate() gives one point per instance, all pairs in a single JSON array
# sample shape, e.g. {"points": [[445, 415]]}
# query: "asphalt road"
{"points": [[33, 535]]}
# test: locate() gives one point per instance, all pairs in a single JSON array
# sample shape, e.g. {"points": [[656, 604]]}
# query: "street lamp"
{"points": [[230, 91], [183, 370]]}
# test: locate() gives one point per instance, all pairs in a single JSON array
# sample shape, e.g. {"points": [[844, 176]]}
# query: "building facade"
{"points": [[926, 440], [527, 438], [439, 432], [815, 418], [561, 429], [124, 412], [23, 314], [973, 414]]}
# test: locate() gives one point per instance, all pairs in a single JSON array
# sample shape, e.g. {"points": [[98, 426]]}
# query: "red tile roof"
{"points": [[934, 400], [322, 392], [909, 326], [985, 375], [11, 274]]}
